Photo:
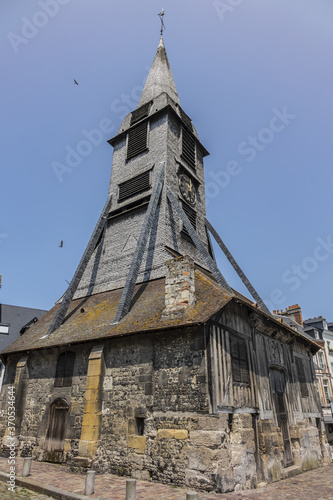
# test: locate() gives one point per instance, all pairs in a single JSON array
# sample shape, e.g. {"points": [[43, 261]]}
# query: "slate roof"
{"points": [[144, 316], [98, 312]]}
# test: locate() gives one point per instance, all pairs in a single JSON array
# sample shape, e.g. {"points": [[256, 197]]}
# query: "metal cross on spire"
{"points": [[161, 15]]}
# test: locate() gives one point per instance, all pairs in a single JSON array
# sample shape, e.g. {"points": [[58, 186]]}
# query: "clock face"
{"points": [[187, 189]]}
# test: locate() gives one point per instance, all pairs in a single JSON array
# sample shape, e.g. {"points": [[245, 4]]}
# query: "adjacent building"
{"points": [[322, 332], [14, 321], [151, 365]]}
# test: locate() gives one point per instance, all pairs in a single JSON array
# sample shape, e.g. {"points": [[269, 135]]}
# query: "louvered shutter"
{"points": [[191, 214], [188, 148], [134, 186], [192, 217], [186, 119], [140, 113], [137, 140]]}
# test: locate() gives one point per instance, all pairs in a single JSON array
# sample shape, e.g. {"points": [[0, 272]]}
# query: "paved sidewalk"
{"points": [[313, 485]]}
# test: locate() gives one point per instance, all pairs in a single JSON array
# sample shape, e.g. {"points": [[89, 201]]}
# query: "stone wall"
{"points": [[150, 416]]}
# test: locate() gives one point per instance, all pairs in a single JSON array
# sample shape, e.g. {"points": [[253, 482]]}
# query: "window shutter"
{"points": [[192, 217], [301, 377], [140, 113], [191, 214], [69, 369], [134, 186], [239, 361], [188, 148], [186, 119], [60, 370], [65, 368], [137, 140]]}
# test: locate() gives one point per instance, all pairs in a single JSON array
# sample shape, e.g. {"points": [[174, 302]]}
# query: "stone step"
{"points": [[292, 471]]}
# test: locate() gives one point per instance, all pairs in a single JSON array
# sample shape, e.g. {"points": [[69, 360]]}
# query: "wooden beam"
{"points": [[69, 294], [238, 270], [198, 243]]}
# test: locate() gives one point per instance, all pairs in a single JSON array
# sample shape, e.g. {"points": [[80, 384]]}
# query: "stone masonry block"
{"points": [[210, 439], [95, 368], [90, 433], [137, 443], [94, 382]]}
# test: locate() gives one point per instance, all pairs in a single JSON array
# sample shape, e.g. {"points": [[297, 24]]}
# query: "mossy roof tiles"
{"points": [[100, 310]]}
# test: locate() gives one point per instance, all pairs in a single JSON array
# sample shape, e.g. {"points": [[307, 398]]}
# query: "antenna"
{"points": [[161, 14]]}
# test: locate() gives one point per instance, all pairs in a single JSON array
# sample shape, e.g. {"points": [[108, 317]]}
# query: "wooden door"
{"points": [[278, 388], [54, 444]]}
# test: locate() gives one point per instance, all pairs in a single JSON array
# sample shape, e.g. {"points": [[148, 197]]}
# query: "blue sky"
{"points": [[256, 77]]}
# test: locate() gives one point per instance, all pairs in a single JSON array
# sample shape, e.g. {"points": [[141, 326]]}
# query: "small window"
{"points": [[137, 140], [134, 186], [326, 391], [302, 377], [239, 361], [139, 426], [65, 369], [4, 329], [188, 147], [321, 360]]}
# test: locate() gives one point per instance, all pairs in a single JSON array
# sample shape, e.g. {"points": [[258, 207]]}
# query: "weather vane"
{"points": [[161, 15]]}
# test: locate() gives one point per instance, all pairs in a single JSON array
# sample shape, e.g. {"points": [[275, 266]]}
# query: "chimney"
{"points": [[293, 312], [179, 286]]}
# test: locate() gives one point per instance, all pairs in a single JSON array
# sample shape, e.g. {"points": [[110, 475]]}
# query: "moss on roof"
{"points": [[98, 313], [91, 318]]}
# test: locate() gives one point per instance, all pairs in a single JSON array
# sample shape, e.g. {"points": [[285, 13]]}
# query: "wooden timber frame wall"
{"points": [[268, 349]]}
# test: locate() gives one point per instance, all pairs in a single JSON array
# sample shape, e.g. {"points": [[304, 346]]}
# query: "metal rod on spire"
{"points": [[161, 14]]}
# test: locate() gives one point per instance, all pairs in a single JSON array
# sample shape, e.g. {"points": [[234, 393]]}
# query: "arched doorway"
{"points": [[55, 437]]}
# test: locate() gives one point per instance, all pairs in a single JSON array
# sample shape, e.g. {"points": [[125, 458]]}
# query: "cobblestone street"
{"points": [[19, 494], [312, 485]]}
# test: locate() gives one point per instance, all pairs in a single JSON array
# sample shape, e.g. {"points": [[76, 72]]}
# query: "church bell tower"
{"points": [[156, 139], [155, 210]]}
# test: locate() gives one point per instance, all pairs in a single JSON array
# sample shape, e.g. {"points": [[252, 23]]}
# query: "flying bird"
{"points": [[75, 82], [61, 244]]}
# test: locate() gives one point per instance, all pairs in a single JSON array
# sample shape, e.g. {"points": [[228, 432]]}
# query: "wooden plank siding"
{"points": [[238, 385], [228, 394]]}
